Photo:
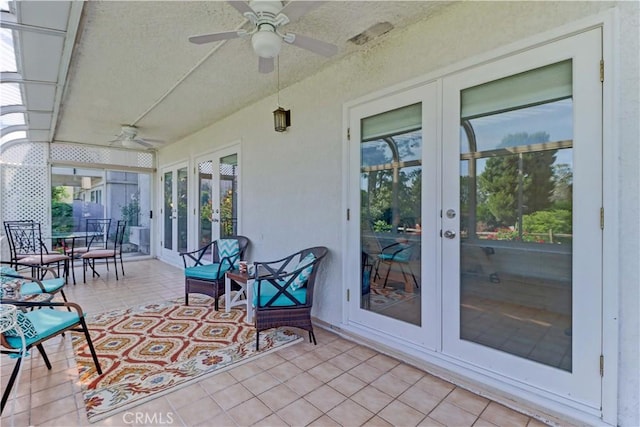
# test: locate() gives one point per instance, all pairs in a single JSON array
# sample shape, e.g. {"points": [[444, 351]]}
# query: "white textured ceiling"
{"points": [[131, 58]]}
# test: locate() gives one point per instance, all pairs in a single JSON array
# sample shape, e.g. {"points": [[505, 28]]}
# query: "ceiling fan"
{"points": [[128, 138], [266, 36]]}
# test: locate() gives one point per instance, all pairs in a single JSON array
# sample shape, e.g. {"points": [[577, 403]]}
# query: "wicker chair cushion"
{"points": [[268, 291], [207, 272], [25, 325], [303, 276], [229, 248], [45, 323]]}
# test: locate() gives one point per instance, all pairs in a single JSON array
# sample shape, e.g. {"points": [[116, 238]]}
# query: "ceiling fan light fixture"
{"points": [[266, 43], [130, 143]]}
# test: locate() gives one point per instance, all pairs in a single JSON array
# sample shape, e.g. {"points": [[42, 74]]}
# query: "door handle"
{"points": [[450, 234]]}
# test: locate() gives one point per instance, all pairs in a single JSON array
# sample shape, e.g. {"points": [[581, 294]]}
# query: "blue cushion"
{"points": [[7, 270], [50, 286], [229, 248], [402, 256], [207, 272], [268, 290], [303, 276], [46, 322], [27, 328]]}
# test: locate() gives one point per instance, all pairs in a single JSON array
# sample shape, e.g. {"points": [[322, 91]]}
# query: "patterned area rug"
{"points": [[382, 298], [150, 350]]}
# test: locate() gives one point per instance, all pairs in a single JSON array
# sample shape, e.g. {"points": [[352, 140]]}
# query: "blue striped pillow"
{"points": [[303, 276]]}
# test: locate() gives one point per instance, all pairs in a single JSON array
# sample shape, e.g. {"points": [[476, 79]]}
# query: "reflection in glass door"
{"points": [[217, 216], [391, 213], [174, 212]]}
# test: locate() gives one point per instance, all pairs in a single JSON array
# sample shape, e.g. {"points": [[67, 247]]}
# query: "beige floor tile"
{"points": [[325, 371], [451, 415], [383, 362], [278, 397], [325, 398], [324, 421], [430, 422], [535, 423], [347, 384], [299, 413], [217, 382], [45, 396], [195, 412], [303, 383], [284, 371], [483, 423], [307, 361], [407, 373], [372, 399], [55, 409], [269, 360], [260, 383], [503, 416], [272, 420], [186, 395], [244, 371], [232, 396], [391, 385], [377, 421], [366, 372], [249, 412], [345, 361], [399, 414], [349, 413], [324, 353], [468, 401], [222, 419], [419, 399], [434, 386]]}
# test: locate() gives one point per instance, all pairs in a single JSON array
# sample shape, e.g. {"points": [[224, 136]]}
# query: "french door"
{"points": [[217, 187], [497, 264], [175, 204]]}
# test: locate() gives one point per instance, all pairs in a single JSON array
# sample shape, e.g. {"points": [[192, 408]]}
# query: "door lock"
{"points": [[451, 213], [450, 234]]}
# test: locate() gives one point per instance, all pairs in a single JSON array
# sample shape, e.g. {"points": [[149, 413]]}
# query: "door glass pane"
{"points": [[228, 195], [205, 171], [168, 210], [391, 211], [516, 224], [182, 210]]}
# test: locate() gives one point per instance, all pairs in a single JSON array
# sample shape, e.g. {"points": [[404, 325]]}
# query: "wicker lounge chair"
{"points": [[283, 291], [204, 268]]}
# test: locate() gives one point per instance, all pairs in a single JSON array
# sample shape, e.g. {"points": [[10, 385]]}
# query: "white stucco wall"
{"points": [[292, 183]]}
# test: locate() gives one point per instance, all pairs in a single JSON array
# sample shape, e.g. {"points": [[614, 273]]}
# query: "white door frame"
{"points": [[171, 255]]}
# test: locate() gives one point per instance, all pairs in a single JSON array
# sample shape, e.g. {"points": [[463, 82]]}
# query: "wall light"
{"points": [[86, 183]]}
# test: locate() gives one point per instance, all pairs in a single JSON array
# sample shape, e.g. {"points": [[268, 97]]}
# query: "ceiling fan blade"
{"points": [[311, 44], [265, 65], [215, 37], [295, 9], [241, 6]]}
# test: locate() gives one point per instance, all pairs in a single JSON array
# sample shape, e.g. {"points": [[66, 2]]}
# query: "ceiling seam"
{"points": [[184, 77]]}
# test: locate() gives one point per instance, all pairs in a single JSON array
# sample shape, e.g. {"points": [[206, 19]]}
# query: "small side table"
{"points": [[245, 280]]}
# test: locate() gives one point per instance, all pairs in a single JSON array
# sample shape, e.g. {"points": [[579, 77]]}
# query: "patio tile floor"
{"points": [[336, 383]]}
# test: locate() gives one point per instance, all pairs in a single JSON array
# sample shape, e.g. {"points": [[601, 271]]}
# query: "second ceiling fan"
{"points": [[266, 38]]}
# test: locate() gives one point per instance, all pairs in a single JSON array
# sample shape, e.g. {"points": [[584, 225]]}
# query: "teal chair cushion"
{"points": [[50, 286], [401, 256], [45, 322], [206, 272], [7, 270], [229, 248], [268, 291], [303, 276]]}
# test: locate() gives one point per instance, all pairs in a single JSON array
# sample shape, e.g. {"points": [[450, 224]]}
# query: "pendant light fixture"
{"points": [[281, 117]]}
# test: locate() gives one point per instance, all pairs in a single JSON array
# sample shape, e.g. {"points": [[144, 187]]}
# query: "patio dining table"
{"points": [[67, 241]]}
